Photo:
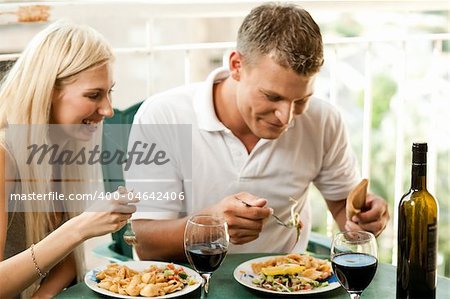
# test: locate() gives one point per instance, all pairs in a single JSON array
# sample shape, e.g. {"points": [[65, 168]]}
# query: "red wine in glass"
{"points": [[354, 260], [206, 242], [205, 257], [354, 271]]}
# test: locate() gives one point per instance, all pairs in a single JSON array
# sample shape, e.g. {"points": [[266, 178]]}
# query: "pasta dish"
{"points": [[152, 282], [291, 273]]}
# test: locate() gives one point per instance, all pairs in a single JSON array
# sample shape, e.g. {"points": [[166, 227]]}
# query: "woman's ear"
{"points": [[235, 65]]}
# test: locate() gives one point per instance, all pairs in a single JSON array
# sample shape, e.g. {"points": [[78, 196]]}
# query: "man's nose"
{"points": [[284, 112]]}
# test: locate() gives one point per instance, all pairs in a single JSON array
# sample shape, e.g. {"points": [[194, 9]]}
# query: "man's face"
{"points": [[269, 95]]}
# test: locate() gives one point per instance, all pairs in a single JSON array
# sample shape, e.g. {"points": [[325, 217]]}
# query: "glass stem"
{"points": [[355, 295], [206, 277]]}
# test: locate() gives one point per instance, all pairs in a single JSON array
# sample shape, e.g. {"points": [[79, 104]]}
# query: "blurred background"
{"points": [[386, 69]]}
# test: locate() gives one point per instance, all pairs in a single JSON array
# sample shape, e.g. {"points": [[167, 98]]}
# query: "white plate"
{"points": [[244, 275], [91, 281]]}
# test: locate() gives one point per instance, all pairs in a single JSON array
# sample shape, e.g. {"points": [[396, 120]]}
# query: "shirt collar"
{"points": [[204, 104]]}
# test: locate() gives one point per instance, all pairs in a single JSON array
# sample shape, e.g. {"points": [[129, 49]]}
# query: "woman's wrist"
{"points": [[75, 230]]}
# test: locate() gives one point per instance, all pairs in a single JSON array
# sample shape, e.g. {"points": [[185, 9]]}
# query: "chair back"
{"points": [[115, 138]]}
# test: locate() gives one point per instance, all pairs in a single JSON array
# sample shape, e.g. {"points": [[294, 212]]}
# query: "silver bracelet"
{"points": [[38, 270]]}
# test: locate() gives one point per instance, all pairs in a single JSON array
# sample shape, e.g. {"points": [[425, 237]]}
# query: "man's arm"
{"points": [[337, 209], [160, 239], [372, 218], [164, 239]]}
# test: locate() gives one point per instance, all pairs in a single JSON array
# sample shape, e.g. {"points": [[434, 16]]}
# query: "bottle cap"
{"points": [[420, 147], [419, 153]]}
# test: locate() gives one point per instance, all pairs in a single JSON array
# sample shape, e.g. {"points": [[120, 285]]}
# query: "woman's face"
{"points": [[82, 104]]}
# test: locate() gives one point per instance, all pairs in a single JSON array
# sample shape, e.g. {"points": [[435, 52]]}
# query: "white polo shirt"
{"points": [[315, 149]]}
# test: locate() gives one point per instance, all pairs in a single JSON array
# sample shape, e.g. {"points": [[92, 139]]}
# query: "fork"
{"points": [[277, 219], [280, 222], [129, 236]]}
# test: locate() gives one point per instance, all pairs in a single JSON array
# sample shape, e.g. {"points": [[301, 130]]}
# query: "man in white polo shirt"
{"points": [[258, 136]]}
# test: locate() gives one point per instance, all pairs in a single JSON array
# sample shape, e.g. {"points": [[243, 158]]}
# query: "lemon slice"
{"points": [[286, 269]]}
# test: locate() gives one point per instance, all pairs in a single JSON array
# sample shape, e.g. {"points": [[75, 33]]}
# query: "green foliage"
{"points": [[436, 29], [436, 12], [446, 46], [347, 26], [442, 193], [383, 89]]}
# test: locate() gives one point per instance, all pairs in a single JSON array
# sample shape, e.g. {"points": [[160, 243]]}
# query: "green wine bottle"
{"points": [[417, 233]]}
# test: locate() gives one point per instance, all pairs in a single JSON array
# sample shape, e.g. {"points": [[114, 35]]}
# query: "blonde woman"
{"points": [[63, 77]]}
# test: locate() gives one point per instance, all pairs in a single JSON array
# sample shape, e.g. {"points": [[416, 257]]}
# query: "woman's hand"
{"points": [[106, 216]]}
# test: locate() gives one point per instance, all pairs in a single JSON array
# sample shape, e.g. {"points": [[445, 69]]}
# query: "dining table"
{"points": [[223, 285]]}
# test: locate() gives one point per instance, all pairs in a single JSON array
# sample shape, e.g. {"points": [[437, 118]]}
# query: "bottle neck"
{"points": [[419, 176]]}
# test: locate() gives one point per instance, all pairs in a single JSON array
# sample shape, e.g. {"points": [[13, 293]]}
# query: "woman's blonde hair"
{"points": [[52, 59], [54, 56]]}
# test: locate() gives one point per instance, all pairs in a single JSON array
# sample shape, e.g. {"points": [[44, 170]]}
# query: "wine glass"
{"points": [[206, 242], [354, 260]]}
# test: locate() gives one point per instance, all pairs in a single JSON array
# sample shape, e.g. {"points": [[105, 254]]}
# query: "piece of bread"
{"points": [[356, 199]]}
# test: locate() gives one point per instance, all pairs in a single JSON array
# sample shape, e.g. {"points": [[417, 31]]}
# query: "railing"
{"points": [[155, 10]]}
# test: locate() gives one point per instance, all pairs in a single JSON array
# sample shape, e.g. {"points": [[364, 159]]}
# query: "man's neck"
{"points": [[225, 106]]}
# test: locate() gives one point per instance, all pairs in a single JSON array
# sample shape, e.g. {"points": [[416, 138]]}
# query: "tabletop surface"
{"points": [[223, 285]]}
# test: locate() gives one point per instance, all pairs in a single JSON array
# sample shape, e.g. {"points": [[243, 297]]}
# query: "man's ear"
{"points": [[235, 65]]}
